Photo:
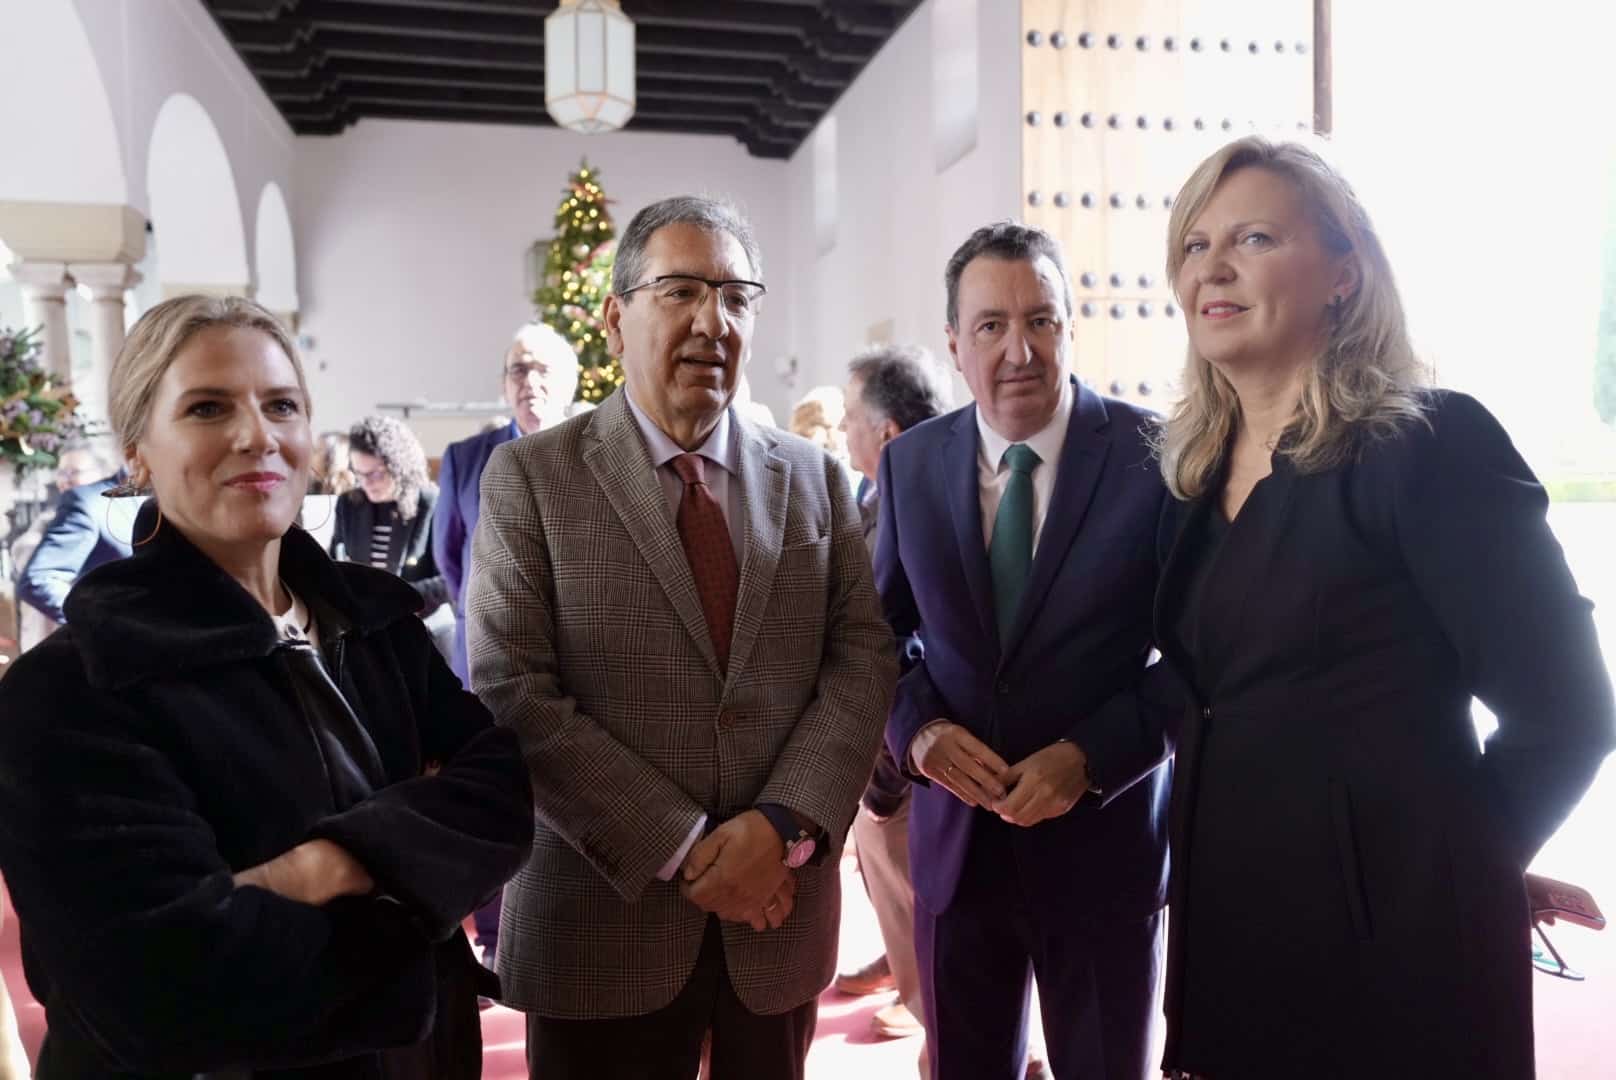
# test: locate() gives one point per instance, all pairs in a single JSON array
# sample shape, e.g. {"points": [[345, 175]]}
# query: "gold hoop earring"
{"points": [[153, 534], [330, 510]]}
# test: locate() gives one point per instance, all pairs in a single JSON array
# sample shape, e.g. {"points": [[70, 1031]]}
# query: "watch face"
{"points": [[800, 853]]}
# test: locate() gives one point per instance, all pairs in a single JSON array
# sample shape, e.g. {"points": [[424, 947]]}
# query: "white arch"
{"points": [[61, 144], [276, 260], [192, 191]]}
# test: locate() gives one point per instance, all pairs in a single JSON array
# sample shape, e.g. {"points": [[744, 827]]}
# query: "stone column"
{"points": [[106, 282], [44, 292]]}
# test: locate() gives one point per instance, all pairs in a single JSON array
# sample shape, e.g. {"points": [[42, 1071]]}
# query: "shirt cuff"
{"points": [[915, 744], [671, 867]]}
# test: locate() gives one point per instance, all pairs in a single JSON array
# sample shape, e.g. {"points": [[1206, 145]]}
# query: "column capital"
{"points": [[106, 280], [46, 280], [73, 232]]}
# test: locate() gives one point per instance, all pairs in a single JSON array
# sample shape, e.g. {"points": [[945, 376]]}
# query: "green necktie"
{"points": [[1010, 553]]}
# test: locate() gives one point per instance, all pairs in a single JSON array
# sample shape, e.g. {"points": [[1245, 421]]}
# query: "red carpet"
{"points": [[1575, 1036]]}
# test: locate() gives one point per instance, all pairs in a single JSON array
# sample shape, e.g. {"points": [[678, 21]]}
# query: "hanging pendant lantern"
{"points": [[589, 65]]}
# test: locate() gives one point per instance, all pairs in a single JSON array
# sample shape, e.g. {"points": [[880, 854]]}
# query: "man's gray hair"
{"points": [[543, 339], [1004, 240], [713, 215], [902, 383]]}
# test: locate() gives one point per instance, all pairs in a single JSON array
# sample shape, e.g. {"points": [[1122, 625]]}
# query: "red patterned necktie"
{"points": [[709, 551]]}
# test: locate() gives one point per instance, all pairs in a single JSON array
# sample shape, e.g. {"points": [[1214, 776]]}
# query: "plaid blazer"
{"points": [[587, 638]]}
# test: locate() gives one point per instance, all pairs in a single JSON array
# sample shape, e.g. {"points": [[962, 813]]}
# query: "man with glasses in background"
{"points": [[674, 610], [540, 376]]}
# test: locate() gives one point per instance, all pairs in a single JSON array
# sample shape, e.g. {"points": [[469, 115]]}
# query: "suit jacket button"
{"points": [[726, 718]]}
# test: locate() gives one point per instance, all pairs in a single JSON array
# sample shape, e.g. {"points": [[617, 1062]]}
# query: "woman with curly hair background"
{"points": [[386, 521]]}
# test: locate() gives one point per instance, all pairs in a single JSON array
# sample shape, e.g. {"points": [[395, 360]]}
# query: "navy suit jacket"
{"points": [[78, 540], [455, 522], [1073, 665]]}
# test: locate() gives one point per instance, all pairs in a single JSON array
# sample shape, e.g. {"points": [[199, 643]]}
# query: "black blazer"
{"points": [[162, 742], [1346, 884], [409, 552]]}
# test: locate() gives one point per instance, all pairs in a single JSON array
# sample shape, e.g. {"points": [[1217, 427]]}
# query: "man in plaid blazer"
{"points": [[674, 610]]}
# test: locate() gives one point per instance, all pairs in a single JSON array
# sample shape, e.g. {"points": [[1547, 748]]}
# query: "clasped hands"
{"points": [[738, 873], [1043, 785]]}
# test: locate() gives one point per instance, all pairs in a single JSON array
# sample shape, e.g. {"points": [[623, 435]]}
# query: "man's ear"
{"points": [[612, 315], [889, 430], [953, 346]]}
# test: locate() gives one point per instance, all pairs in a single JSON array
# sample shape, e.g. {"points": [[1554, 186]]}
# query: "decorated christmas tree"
{"points": [[577, 277]]}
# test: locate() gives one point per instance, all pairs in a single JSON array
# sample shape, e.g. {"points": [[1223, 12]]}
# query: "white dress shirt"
{"points": [[722, 449], [992, 473]]}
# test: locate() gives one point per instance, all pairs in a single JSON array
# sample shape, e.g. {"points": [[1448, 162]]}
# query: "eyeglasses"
{"points": [[1547, 959], [687, 291], [520, 372], [374, 476]]}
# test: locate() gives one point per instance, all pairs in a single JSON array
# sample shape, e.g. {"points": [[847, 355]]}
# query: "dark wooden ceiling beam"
{"points": [[755, 114], [744, 79], [847, 52], [333, 80], [765, 69]]}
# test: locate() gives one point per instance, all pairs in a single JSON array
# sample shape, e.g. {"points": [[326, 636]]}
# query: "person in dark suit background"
{"points": [[1016, 543], [1353, 556], [890, 389], [78, 539], [539, 373]]}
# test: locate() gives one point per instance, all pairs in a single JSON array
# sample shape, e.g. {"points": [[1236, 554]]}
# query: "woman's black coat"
{"points": [[1346, 885], [166, 741], [409, 552]]}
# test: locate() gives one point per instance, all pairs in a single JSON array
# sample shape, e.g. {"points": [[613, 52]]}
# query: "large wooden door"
{"points": [[1120, 100]]}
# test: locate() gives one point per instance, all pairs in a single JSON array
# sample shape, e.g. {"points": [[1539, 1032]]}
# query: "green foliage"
{"points": [[36, 415], [577, 277]]}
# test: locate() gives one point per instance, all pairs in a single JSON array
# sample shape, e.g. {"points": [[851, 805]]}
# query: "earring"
{"points": [[155, 528]]}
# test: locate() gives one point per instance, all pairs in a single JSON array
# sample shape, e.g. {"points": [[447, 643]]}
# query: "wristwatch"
{"points": [[800, 843]]}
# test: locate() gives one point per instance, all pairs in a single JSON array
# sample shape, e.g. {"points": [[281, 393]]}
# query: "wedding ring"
{"points": [[949, 772], [771, 905]]}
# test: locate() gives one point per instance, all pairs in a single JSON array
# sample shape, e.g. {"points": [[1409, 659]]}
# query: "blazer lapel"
{"points": [[1172, 579], [622, 466], [1082, 460], [1246, 550], [965, 506], [765, 480]]}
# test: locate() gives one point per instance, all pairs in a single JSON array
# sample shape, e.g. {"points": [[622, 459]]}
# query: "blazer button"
{"points": [[726, 718]]}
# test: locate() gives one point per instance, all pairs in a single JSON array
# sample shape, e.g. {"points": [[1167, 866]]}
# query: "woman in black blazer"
{"points": [[1351, 558], [245, 805]]}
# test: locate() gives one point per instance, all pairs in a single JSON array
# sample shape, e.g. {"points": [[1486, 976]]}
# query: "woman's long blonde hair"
{"points": [[1366, 379]]}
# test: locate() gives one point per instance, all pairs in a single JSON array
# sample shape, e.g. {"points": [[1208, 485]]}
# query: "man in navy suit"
{"points": [[78, 539], [540, 374], [1015, 559]]}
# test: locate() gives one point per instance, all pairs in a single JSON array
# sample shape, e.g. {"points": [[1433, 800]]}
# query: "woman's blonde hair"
{"points": [[1366, 379], [157, 339]]}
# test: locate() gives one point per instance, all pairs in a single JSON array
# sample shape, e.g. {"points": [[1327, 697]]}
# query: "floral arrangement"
{"points": [[36, 415]]}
